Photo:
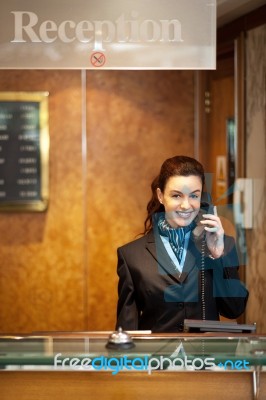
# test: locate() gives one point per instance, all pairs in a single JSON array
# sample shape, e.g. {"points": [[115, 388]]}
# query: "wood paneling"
{"points": [[128, 385], [41, 255], [222, 108], [256, 170], [135, 120], [58, 268]]}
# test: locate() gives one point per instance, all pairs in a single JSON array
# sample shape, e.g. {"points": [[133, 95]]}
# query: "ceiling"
{"points": [[229, 10]]}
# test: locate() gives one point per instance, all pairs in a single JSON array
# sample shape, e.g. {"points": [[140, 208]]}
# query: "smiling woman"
{"points": [[181, 199], [184, 267]]}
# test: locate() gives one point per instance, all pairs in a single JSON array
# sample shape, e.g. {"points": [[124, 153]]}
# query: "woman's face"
{"points": [[181, 199]]}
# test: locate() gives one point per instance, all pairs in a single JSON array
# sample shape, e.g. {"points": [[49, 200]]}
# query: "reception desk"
{"points": [[159, 367]]}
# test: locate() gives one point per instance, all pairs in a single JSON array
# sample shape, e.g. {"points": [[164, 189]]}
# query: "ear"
{"points": [[159, 195]]}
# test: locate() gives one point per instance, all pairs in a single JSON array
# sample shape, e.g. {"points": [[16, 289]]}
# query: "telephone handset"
{"points": [[206, 203], [206, 207]]}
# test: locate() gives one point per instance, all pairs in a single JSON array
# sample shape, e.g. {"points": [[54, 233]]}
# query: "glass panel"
{"points": [[191, 353], [128, 35]]}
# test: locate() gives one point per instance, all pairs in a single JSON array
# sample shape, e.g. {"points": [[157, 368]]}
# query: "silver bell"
{"points": [[120, 340]]}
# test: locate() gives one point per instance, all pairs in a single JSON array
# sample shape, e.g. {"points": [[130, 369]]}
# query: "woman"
{"points": [[184, 267]]}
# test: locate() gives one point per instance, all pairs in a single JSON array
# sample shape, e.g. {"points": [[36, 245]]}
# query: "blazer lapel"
{"points": [[165, 265]]}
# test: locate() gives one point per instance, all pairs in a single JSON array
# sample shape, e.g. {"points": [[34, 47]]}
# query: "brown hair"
{"points": [[175, 166]]}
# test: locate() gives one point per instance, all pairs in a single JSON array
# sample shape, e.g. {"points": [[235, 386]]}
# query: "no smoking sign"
{"points": [[98, 59]]}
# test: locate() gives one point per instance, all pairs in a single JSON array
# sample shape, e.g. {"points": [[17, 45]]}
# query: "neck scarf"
{"points": [[176, 236]]}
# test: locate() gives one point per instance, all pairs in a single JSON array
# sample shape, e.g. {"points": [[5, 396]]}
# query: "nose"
{"points": [[185, 203]]}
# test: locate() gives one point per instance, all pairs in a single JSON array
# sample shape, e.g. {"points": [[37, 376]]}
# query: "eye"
{"points": [[176, 196], [194, 196]]}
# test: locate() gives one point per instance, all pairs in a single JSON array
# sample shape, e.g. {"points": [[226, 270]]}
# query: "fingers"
{"points": [[212, 221], [208, 229], [211, 225]]}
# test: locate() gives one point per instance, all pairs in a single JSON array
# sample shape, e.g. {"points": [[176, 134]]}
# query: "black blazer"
{"points": [[153, 296]]}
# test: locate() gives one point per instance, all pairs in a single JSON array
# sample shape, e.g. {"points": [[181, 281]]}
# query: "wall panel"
{"points": [[58, 268], [256, 169], [41, 255], [135, 120]]}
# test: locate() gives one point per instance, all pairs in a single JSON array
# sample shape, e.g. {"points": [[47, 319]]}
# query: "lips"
{"points": [[184, 215]]}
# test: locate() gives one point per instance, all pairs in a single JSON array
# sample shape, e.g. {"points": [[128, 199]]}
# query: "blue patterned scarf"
{"points": [[176, 236]]}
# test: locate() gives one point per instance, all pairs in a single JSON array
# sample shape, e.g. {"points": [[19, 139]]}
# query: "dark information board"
{"points": [[24, 148]]}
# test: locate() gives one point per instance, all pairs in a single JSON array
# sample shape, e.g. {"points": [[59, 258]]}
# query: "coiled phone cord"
{"points": [[202, 277], [202, 280]]}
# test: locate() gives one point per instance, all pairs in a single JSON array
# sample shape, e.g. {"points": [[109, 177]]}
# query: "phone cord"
{"points": [[202, 281], [202, 277]]}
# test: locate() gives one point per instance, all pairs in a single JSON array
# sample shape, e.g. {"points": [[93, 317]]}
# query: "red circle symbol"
{"points": [[98, 59]]}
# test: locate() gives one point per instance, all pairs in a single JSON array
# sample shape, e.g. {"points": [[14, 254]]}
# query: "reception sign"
{"points": [[117, 34]]}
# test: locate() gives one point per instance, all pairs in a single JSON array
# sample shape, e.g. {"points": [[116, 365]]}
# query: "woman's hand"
{"points": [[214, 233]]}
